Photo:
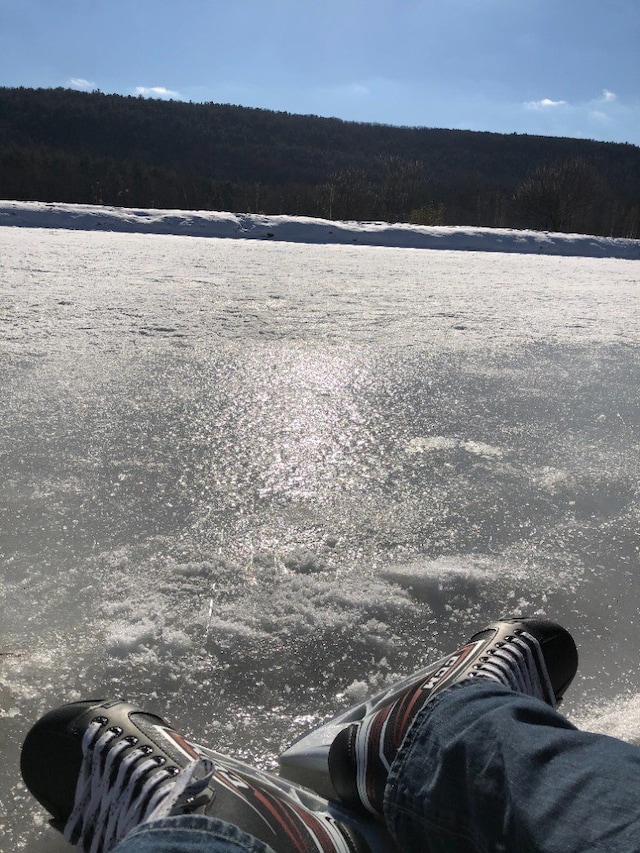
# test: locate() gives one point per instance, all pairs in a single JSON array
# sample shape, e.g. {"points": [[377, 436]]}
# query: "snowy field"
{"points": [[246, 482]]}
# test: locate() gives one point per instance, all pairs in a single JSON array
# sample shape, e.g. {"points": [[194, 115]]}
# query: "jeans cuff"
{"points": [[195, 833], [422, 721]]}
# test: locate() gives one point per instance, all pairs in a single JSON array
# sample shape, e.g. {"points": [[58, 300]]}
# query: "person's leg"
{"points": [[487, 769], [534, 657], [190, 834]]}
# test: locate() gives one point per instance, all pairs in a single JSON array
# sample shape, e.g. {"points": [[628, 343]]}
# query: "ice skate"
{"points": [[103, 768]]}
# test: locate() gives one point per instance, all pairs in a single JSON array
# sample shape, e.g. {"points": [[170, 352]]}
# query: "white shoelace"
{"points": [[107, 808], [519, 664]]}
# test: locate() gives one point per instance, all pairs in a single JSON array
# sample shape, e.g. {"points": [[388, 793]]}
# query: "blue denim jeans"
{"points": [[482, 770], [485, 770], [190, 834]]}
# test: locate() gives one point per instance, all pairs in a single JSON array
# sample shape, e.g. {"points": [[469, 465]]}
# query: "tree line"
{"points": [[67, 146]]}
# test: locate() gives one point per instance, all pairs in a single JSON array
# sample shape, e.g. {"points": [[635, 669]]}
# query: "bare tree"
{"points": [[349, 194], [402, 185], [561, 196]]}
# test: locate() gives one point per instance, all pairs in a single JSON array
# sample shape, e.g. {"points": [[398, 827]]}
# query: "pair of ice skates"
{"points": [[103, 768]]}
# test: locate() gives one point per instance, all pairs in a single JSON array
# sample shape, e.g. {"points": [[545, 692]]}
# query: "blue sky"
{"points": [[553, 67]]}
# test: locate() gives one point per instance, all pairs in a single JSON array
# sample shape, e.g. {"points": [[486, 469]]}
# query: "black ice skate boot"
{"points": [[103, 768], [531, 656]]}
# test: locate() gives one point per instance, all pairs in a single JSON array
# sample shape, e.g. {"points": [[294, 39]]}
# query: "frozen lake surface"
{"points": [[247, 482]]}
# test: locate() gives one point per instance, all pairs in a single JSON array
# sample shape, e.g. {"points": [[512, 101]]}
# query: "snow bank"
{"points": [[300, 229]]}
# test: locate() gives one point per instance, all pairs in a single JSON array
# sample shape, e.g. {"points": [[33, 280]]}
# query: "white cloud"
{"points": [[156, 92], [605, 108], [81, 83], [607, 97], [604, 115], [544, 104]]}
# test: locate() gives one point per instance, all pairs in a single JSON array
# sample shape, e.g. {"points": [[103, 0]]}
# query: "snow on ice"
{"points": [[247, 480]]}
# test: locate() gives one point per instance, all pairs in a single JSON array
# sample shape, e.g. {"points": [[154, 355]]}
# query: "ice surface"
{"points": [[245, 482]]}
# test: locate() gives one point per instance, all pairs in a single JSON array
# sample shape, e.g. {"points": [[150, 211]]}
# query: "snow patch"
{"points": [[427, 444]]}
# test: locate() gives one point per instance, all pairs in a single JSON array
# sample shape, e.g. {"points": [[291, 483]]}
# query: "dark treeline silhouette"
{"points": [[67, 146]]}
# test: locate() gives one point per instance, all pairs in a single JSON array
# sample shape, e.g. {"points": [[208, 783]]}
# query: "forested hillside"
{"points": [[62, 145]]}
